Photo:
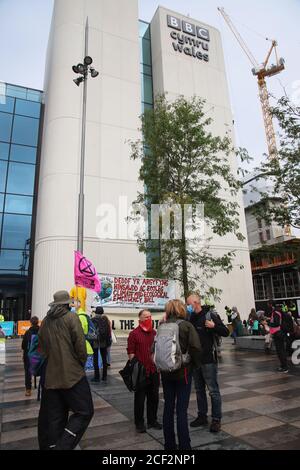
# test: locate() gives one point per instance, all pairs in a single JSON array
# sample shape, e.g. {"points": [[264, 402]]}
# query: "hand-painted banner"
{"points": [[128, 292], [85, 274]]}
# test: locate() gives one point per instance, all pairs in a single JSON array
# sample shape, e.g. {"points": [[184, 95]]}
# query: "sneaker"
{"points": [[140, 428], [282, 369], [28, 393], [200, 421], [155, 425], [215, 426]]}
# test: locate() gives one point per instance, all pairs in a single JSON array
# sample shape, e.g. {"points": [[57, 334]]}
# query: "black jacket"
{"points": [[207, 335], [104, 332], [33, 330]]}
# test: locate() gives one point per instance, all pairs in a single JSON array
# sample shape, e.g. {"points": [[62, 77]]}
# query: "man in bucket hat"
{"points": [[66, 387]]}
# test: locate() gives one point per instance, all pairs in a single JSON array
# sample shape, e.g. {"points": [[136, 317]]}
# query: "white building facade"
{"points": [[187, 59]]}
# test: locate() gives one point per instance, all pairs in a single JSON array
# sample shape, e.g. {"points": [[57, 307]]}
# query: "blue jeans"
{"points": [[176, 392], [207, 376]]}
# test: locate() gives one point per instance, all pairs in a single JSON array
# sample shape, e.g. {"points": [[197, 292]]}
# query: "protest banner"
{"points": [[8, 327]]}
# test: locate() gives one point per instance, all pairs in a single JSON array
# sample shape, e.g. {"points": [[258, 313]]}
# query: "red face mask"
{"points": [[146, 325]]}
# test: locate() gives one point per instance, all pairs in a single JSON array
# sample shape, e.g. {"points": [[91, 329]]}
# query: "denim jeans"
{"points": [[207, 376], [176, 392]]}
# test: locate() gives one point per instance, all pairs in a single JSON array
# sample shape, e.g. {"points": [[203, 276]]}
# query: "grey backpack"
{"points": [[168, 356]]}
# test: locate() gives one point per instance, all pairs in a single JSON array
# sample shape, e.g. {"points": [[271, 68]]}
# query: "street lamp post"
{"points": [[83, 69]]}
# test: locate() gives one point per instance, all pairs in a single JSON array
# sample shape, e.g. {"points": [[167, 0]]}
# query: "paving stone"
{"points": [[250, 425]]}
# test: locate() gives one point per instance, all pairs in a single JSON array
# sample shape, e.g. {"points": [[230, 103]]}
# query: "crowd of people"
{"points": [[184, 349]]}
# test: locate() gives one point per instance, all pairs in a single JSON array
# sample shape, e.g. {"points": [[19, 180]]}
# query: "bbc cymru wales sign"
{"points": [[189, 39], [128, 292]]}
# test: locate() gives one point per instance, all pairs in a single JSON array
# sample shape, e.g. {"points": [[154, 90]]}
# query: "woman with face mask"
{"points": [[140, 343]]}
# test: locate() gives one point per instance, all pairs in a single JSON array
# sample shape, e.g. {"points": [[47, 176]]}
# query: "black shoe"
{"points": [[200, 421], [95, 380], [215, 426], [282, 369], [104, 379], [155, 425], [108, 365], [140, 428]]}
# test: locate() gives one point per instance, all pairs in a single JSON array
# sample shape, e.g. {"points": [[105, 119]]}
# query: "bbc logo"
{"points": [[188, 28]]}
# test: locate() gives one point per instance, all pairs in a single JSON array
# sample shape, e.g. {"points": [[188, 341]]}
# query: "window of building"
{"points": [[259, 223], [5, 126], [3, 171], [279, 291], [28, 108], [268, 234], [25, 131], [21, 179], [259, 288], [261, 237], [7, 104], [147, 92], [4, 151], [14, 261], [292, 283], [16, 231], [18, 204], [20, 153]]}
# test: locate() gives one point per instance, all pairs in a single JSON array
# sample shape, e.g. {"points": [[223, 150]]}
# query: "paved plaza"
{"points": [[261, 407]]}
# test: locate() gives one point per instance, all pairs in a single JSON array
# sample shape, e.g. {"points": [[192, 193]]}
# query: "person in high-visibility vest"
{"points": [[293, 310], [2, 319]]}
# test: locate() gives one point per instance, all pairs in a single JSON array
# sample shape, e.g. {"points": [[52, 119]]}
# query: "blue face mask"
{"points": [[73, 310], [190, 309]]}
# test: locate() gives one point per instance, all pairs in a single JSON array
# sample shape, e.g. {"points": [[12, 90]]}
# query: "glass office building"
{"points": [[20, 112]]}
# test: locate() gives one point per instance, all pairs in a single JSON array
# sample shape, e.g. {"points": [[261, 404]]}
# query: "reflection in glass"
{"points": [[147, 94], [18, 204], [4, 151], [5, 126], [14, 260], [16, 231], [6, 104], [28, 108], [20, 153], [20, 179], [3, 170], [25, 131], [1, 207]]}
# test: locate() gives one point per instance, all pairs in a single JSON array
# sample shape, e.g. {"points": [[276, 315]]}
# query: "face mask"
{"points": [[190, 309], [146, 325], [73, 310]]}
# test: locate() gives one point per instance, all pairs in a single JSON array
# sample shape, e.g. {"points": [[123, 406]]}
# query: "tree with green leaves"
{"points": [[281, 204], [184, 164]]}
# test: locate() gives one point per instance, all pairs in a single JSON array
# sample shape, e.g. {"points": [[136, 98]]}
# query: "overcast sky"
{"points": [[24, 29]]}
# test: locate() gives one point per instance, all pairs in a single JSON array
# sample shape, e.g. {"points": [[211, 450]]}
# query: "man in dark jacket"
{"points": [[33, 330], [66, 387], [102, 325], [208, 325]]}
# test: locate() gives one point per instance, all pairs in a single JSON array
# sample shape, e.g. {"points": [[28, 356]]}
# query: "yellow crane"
{"points": [[261, 71]]}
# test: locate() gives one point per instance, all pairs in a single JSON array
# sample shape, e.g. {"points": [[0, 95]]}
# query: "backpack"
{"points": [[35, 356], [92, 333], [168, 356], [104, 334]]}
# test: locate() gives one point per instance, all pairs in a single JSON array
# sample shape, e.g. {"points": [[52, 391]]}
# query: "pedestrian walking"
{"points": [[102, 344], [66, 388], [139, 346], [236, 323], [278, 334], [26, 342], [207, 374], [176, 371]]}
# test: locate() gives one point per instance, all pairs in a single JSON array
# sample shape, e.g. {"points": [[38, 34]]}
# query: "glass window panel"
{"points": [[21, 178], [6, 104], [1, 206], [14, 260], [5, 126], [16, 231], [18, 204], [144, 29], [20, 153], [146, 52], [25, 131], [147, 94], [28, 108], [34, 96], [16, 91], [3, 170], [4, 151]]}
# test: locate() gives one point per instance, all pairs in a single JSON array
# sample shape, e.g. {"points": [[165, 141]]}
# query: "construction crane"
{"points": [[261, 71]]}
